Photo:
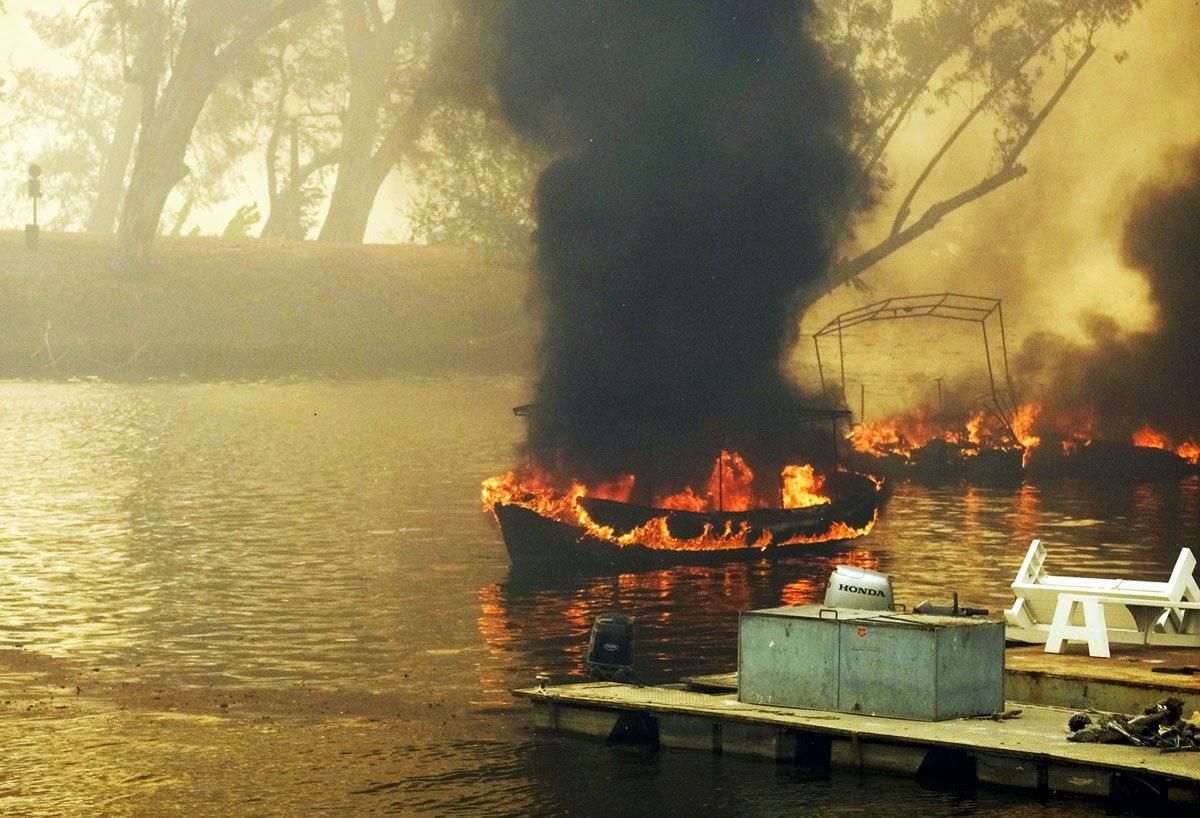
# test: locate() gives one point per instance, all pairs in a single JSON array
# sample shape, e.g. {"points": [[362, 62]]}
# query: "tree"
{"points": [[148, 26], [300, 109], [58, 118], [217, 35], [401, 68], [78, 115], [474, 181], [997, 55]]}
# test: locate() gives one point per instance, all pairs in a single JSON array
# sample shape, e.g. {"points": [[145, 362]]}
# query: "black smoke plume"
{"points": [[701, 178], [1129, 380]]}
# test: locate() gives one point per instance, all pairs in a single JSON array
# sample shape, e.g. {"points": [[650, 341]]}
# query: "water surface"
{"points": [[284, 598]]}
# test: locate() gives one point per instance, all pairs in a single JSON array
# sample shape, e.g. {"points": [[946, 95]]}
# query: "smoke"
{"points": [[701, 179], [1128, 380]]}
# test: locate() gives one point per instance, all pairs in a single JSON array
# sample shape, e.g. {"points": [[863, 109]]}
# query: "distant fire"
{"points": [[904, 435], [1151, 438], [729, 488]]}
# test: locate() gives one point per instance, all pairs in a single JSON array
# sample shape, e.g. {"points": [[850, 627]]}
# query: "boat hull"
{"points": [[533, 540]]}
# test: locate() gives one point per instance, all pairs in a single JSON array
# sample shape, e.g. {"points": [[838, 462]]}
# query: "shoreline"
{"points": [[206, 308]]}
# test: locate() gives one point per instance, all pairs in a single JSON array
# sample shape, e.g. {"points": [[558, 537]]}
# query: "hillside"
{"points": [[213, 308]]}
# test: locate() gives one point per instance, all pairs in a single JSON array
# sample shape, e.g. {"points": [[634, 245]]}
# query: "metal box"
{"points": [[881, 663]]}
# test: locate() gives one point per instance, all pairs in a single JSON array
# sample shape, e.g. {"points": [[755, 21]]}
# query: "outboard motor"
{"points": [[610, 649], [860, 588]]}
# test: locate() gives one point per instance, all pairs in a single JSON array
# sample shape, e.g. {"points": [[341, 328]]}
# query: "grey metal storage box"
{"points": [[881, 663]]}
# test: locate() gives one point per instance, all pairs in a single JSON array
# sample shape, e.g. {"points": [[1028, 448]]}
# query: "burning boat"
{"points": [[1037, 444], [545, 524]]}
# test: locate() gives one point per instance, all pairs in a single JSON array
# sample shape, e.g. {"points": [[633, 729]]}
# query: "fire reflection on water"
{"points": [[258, 546], [933, 540]]}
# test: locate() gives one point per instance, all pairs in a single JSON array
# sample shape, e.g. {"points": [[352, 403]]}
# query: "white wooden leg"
{"points": [[1094, 630]]}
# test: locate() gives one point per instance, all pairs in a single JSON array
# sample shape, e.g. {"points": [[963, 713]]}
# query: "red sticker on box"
{"points": [[862, 632]]}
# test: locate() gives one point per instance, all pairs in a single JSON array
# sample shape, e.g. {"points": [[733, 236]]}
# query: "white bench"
{"points": [[1056, 609]]}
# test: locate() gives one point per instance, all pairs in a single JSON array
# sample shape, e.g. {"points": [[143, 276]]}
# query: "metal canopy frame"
{"points": [[947, 306]]}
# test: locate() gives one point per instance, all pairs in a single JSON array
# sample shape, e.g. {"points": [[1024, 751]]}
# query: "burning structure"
{"points": [[1124, 404], [702, 176]]}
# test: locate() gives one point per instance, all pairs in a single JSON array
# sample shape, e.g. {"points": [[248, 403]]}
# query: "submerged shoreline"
{"points": [[216, 308]]}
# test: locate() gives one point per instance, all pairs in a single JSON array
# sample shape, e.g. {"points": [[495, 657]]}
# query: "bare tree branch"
{"points": [[905, 208], [1009, 170], [246, 37], [846, 270]]}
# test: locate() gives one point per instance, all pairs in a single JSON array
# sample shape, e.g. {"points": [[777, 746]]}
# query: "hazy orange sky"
{"points": [[1048, 243]]}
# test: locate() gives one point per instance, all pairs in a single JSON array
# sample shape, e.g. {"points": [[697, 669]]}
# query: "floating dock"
{"points": [[1029, 751]]}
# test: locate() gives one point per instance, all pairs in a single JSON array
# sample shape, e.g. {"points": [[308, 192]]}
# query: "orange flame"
{"points": [[905, 435], [731, 481], [878, 438], [1189, 450], [1150, 438], [1073, 429], [730, 487], [802, 487], [1022, 427], [974, 425], [686, 500]]}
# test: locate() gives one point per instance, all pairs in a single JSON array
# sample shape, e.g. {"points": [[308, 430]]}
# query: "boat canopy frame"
{"points": [[946, 306]]}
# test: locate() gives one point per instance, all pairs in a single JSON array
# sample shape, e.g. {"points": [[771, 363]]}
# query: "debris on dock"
{"points": [[1160, 725]]}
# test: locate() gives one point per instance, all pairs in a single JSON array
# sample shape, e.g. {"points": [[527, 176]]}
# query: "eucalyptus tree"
{"points": [[59, 118], [217, 35], [299, 113], [472, 180], [1003, 64], [145, 25], [994, 67], [405, 58]]}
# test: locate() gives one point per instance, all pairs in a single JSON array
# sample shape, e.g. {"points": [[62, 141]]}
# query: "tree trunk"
{"points": [[352, 200], [116, 162], [200, 62], [354, 190], [161, 150], [142, 87], [363, 168]]}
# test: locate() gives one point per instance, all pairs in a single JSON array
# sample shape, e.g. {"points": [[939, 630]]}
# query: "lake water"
{"points": [[285, 598]]}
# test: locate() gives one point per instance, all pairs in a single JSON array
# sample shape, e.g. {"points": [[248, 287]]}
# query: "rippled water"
{"points": [[284, 597]]}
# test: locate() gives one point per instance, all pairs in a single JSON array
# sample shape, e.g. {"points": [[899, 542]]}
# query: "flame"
{"points": [[902, 436], [879, 438], [730, 481], [1189, 450], [686, 500], [1022, 427], [1022, 424], [730, 487], [620, 489], [1150, 438], [1072, 429], [905, 435], [974, 425], [802, 487]]}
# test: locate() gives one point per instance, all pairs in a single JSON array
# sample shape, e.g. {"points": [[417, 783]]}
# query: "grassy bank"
{"points": [[213, 308]]}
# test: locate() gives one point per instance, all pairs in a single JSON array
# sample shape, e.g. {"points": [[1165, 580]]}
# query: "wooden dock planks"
{"points": [[1029, 751]]}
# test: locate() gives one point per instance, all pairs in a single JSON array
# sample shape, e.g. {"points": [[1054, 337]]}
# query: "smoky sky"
{"points": [[700, 178], [1132, 379]]}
